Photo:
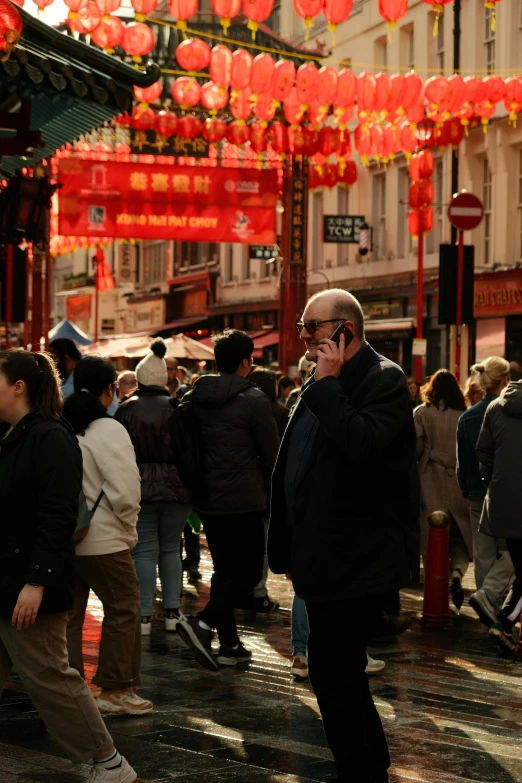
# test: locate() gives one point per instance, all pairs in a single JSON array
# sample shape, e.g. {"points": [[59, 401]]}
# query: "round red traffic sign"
{"points": [[465, 211]]}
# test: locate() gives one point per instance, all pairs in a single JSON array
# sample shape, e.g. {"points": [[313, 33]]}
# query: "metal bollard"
{"points": [[436, 572]]}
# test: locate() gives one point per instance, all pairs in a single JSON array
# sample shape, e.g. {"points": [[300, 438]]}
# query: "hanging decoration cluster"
{"points": [[10, 29], [420, 194]]}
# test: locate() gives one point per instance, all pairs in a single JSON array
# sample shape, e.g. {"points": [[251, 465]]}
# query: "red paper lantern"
{"points": [[182, 10], [257, 11], [265, 108], [166, 123], [258, 138], [241, 69], [189, 127], [413, 195], [388, 143], [11, 27], [108, 34], [414, 223], [440, 135], [297, 140], [412, 90], [193, 54], [317, 113], [425, 191], [83, 150], [392, 11], [214, 129], [397, 91], [278, 138], [108, 7], [138, 40], [382, 91], [455, 132], [421, 165], [495, 88], [345, 150], [87, 20], [293, 109], [438, 8], [213, 97], [311, 136], [436, 90], [416, 113], [262, 72], [143, 118], [514, 108], [485, 110], [331, 175], [327, 84], [514, 89], [186, 91], [306, 83], [425, 218], [366, 92], [342, 119], [307, 10], [237, 133], [348, 174], [329, 141], [148, 94], [335, 12], [226, 10], [456, 97], [362, 143], [475, 91], [314, 178], [346, 89], [221, 65], [376, 141], [283, 79], [73, 6], [241, 105], [142, 8]]}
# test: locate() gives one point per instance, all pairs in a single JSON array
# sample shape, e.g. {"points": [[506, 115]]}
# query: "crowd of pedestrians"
{"points": [[328, 478]]}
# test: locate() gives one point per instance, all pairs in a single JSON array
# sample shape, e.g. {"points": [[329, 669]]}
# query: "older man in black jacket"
{"points": [[343, 519]]}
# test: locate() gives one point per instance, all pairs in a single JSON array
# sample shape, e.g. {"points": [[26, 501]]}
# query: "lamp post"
{"points": [[317, 272]]}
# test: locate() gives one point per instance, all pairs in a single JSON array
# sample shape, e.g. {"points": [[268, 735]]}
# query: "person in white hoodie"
{"points": [[104, 561]]}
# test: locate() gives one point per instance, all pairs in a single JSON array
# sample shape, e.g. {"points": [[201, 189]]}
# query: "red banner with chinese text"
{"points": [[187, 203]]}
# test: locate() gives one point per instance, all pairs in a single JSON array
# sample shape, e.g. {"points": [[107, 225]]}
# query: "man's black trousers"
{"points": [[237, 545], [339, 631]]}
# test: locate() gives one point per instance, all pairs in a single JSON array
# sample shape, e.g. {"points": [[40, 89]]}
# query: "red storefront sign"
{"points": [[78, 308], [498, 295], [188, 203]]}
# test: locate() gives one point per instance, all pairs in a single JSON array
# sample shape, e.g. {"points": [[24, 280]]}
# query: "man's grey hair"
{"points": [[345, 307], [127, 379]]}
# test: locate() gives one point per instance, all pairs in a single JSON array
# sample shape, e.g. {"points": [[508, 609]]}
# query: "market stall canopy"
{"points": [[136, 347], [70, 89], [69, 329], [182, 347]]}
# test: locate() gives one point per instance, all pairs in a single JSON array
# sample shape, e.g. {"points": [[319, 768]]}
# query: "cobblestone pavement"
{"points": [[451, 707]]}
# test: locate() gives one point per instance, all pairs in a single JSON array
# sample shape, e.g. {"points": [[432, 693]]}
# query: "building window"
{"points": [[404, 240], [246, 272], [440, 46], [381, 51], [379, 214], [274, 20], [434, 238], [407, 48], [154, 262], [343, 208], [489, 41], [229, 263], [486, 200], [194, 254]]}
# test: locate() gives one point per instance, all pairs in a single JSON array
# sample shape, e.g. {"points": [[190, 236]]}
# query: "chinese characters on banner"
{"points": [[151, 143], [298, 220], [140, 201], [342, 229]]}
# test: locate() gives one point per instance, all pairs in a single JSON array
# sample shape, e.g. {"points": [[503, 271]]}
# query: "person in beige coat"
{"points": [[436, 428]]}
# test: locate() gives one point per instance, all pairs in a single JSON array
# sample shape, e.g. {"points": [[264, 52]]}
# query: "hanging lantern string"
{"points": [[330, 60]]}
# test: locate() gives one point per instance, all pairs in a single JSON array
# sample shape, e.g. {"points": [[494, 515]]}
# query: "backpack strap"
{"points": [[98, 501]]}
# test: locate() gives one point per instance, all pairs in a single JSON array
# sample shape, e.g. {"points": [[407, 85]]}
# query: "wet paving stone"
{"points": [[450, 704]]}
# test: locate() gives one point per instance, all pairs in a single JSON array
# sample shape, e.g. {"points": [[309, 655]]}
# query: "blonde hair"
{"points": [[490, 372]]}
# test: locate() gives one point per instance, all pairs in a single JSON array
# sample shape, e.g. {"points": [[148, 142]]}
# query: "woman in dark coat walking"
{"points": [[165, 502], [499, 453], [40, 483]]}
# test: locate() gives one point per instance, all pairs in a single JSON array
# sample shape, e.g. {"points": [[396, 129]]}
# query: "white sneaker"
{"points": [[125, 702], [300, 666], [123, 774], [173, 618], [146, 626], [374, 666]]}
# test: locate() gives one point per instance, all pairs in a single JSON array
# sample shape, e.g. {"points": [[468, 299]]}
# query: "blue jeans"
{"points": [[159, 540], [300, 630]]}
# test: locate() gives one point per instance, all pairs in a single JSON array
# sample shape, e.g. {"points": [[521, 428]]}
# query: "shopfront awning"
{"points": [[404, 325]]}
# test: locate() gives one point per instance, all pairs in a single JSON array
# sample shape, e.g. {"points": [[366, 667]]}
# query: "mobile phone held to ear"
{"points": [[338, 331]]}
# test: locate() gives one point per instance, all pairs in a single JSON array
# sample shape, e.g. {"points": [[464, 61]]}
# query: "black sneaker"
{"points": [[200, 642], [265, 605], [503, 636], [228, 656], [194, 575], [456, 591]]}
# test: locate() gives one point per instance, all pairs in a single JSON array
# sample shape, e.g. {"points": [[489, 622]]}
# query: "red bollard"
{"points": [[436, 572]]}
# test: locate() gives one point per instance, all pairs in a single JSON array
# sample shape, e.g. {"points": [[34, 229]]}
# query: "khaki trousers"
{"points": [[113, 579], [61, 696]]}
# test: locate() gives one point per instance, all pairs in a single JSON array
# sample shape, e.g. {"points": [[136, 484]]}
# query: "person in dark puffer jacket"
{"points": [[165, 502], [238, 442]]}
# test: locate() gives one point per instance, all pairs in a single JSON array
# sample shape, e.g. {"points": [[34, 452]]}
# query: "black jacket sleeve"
{"points": [[58, 481], [364, 434], [265, 435]]}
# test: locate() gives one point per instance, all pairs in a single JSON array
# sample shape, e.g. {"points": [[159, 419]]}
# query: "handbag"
{"points": [[85, 516]]}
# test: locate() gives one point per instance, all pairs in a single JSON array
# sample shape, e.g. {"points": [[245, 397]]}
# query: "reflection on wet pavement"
{"points": [[451, 707]]}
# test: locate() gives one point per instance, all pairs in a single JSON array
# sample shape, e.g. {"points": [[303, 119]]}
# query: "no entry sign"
{"points": [[465, 211]]}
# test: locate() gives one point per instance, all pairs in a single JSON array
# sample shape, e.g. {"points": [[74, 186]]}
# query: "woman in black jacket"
{"points": [[40, 483], [165, 502]]}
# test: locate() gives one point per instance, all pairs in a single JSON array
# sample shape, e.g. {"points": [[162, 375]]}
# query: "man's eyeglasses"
{"points": [[311, 326]]}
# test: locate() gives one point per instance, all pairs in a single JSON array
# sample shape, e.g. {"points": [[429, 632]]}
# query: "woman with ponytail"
{"points": [[104, 564], [165, 502], [40, 483]]}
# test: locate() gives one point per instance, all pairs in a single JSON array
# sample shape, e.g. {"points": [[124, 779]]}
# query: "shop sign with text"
{"points": [[187, 203], [151, 143], [498, 297]]}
